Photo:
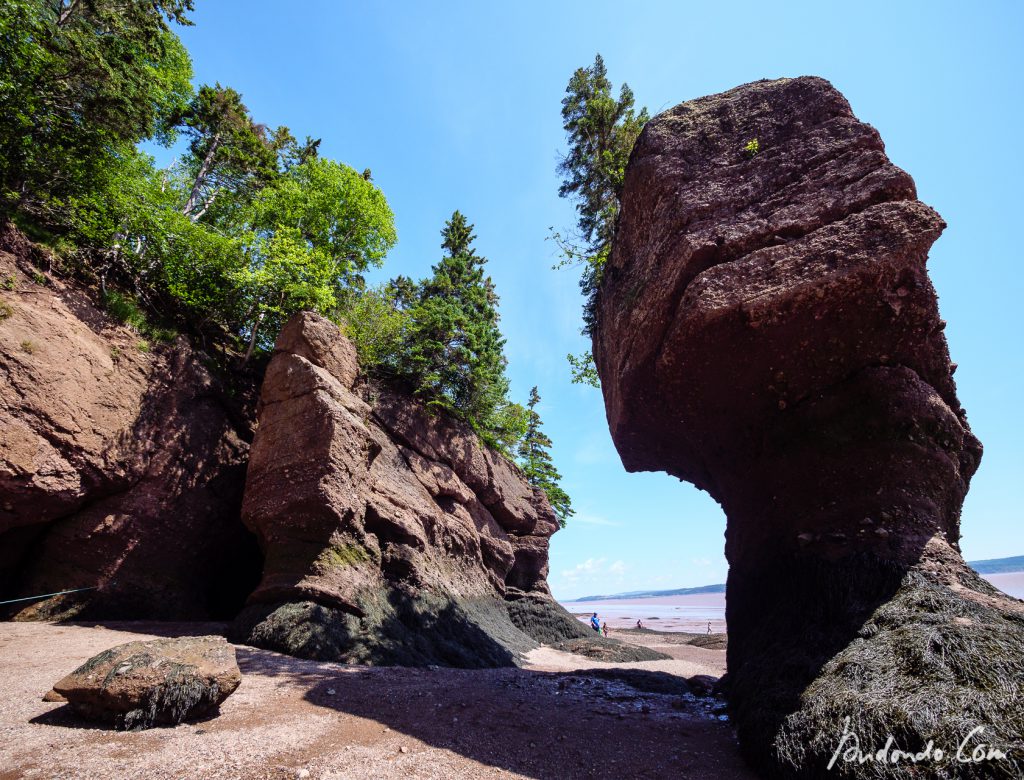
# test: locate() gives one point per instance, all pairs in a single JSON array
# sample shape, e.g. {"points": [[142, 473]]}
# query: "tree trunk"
{"points": [[206, 207], [252, 339], [66, 11], [201, 176]]}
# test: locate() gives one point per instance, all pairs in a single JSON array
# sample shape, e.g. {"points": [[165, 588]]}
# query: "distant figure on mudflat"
{"points": [[604, 629], [709, 626], [595, 623], [639, 624]]}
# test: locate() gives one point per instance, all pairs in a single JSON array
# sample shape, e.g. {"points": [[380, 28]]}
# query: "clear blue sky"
{"points": [[456, 105]]}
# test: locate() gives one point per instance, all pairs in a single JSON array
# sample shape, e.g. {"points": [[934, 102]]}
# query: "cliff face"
{"points": [[383, 533], [767, 330], [391, 535], [120, 469]]}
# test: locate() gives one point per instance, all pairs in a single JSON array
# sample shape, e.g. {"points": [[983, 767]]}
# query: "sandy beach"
{"points": [[1011, 584], [690, 613], [563, 716]]}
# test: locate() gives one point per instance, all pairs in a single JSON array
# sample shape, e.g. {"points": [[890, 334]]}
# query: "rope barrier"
{"points": [[47, 595]]}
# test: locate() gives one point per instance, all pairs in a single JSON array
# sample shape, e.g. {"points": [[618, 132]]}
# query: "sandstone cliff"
{"points": [[391, 535], [384, 534], [120, 467], [767, 330]]}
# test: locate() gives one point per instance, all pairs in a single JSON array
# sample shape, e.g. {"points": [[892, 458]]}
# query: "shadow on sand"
{"points": [[602, 723]]}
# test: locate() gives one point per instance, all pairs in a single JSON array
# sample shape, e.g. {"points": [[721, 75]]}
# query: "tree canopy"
{"points": [[310, 235]]}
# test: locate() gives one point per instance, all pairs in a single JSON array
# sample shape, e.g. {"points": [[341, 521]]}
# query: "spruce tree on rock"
{"points": [[455, 347], [601, 131], [535, 460]]}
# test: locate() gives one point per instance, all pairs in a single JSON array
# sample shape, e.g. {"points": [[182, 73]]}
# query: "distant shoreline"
{"points": [[999, 568], [692, 612], [682, 613]]}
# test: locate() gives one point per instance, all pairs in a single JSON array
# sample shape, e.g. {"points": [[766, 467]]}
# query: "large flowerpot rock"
{"points": [[139, 685], [767, 330]]}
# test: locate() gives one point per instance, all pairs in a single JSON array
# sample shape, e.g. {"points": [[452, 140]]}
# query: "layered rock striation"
{"points": [[391, 535], [121, 467], [767, 331]]}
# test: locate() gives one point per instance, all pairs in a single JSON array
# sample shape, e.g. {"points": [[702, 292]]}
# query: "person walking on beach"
{"points": [[604, 629], [639, 625], [595, 623], [709, 626]]}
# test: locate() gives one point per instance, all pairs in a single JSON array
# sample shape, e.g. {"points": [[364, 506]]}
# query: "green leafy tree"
{"points": [[584, 370], [506, 427], [301, 242], [535, 460], [311, 235], [377, 325], [79, 81], [455, 349]]}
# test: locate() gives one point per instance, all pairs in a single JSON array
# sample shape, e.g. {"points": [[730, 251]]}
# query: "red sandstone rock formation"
{"points": [[119, 468], [767, 330], [391, 535]]}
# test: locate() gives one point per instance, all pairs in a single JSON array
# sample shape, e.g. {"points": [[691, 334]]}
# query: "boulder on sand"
{"points": [[139, 685]]}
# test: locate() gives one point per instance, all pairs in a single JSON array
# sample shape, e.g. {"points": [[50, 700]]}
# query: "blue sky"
{"points": [[456, 106]]}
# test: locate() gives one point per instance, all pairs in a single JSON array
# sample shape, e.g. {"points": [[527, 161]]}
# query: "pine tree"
{"points": [[535, 460], [456, 351]]}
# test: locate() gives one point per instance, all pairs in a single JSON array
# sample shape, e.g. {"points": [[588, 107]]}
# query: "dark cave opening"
{"points": [[236, 575]]}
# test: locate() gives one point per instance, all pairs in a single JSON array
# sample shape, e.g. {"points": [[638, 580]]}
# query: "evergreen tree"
{"points": [[601, 130], [229, 154], [404, 292], [455, 349], [535, 460]]}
